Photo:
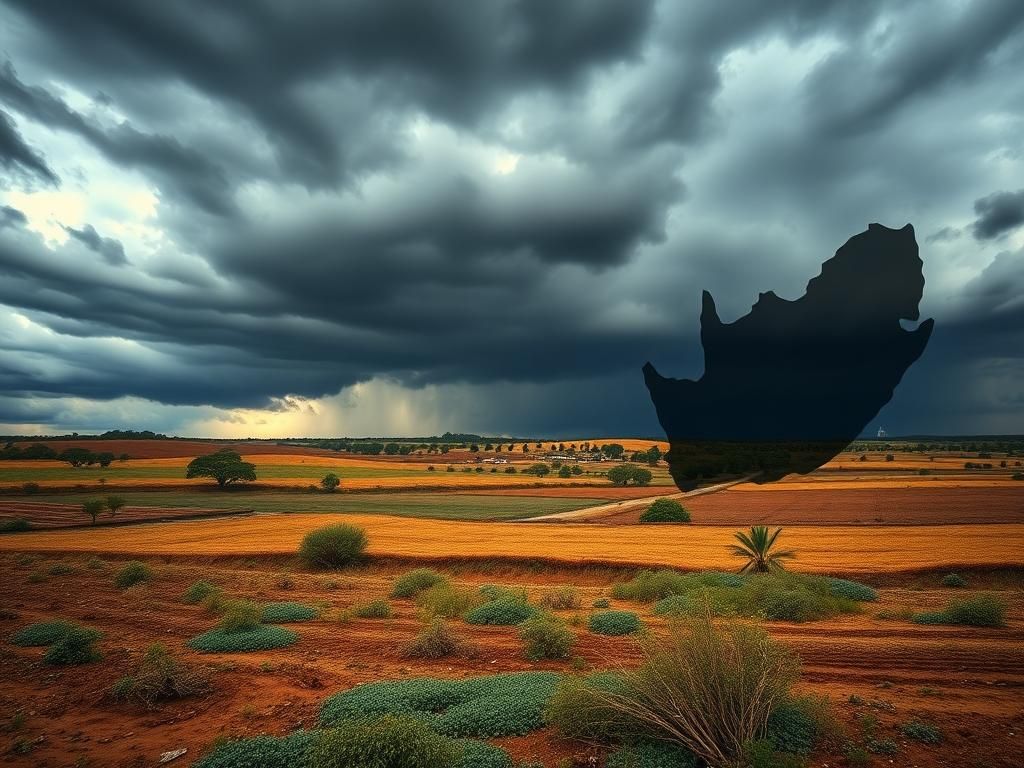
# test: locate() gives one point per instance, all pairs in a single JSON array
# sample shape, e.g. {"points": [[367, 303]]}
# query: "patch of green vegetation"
{"points": [[651, 754], [448, 601], [199, 591], [978, 611], [601, 602], [76, 646], [15, 525], [263, 751], [60, 569], [648, 586], [283, 612], [160, 677], [546, 637], [333, 546], [396, 741], [561, 598], [412, 583], [482, 707], [504, 612], [886, 747], [852, 590], [954, 580], [375, 609], [614, 623], [498, 592], [42, 633], [673, 605], [926, 733], [263, 637], [437, 640], [132, 573], [665, 511], [797, 724]]}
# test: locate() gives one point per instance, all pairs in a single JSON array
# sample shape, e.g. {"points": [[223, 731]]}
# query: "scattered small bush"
{"points": [[886, 747], [263, 637], [651, 754], [390, 740], [411, 583], [673, 605], [95, 563], [546, 638], [15, 525], [263, 751], [561, 599], [979, 611], [42, 633], [926, 733], [795, 725], [133, 573], [601, 602], [334, 546], [76, 646], [447, 601], [436, 641], [198, 591], [665, 511], [376, 609], [240, 616], [281, 613], [852, 590], [581, 708], [501, 612], [60, 569], [614, 623], [496, 592], [954, 580], [160, 677]]}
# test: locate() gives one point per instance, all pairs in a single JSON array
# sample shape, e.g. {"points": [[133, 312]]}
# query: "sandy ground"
{"points": [[967, 681]]}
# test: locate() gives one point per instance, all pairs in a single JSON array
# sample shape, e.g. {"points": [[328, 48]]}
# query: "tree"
{"points": [[665, 511], [623, 474], [756, 546], [104, 459], [612, 450], [76, 457], [538, 469], [224, 466], [93, 508], [391, 449], [331, 481], [564, 471], [115, 504], [642, 476], [653, 455]]}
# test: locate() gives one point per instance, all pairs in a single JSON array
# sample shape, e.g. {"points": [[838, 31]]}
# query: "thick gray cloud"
{"points": [[998, 213], [512, 197]]}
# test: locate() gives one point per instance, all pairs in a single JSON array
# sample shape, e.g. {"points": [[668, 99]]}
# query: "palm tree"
{"points": [[756, 547]]}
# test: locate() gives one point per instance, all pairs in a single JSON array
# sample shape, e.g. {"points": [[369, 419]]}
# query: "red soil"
{"points": [[43, 514]]}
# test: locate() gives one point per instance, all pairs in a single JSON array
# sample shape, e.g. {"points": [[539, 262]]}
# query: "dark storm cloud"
{"points": [[16, 155], [111, 250], [998, 214]]}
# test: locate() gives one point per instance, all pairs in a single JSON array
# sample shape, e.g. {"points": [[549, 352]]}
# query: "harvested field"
{"points": [[896, 671], [41, 514], [833, 549]]}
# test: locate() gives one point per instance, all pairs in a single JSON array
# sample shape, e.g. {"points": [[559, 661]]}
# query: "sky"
{"points": [[359, 218]]}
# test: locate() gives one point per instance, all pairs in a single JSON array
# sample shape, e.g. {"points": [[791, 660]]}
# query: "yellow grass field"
{"points": [[838, 549]]}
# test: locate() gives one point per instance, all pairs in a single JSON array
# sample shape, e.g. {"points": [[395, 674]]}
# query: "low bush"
{"points": [[435, 641], [391, 741], [95, 563], [160, 677], [614, 623], [979, 611], [665, 511], [262, 637], [333, 547], [954, 580], [15, 525], [198, 591], [376, 609], [240, 616], [926, 733], [42, 633], [651, 754], [561, 599], [852, 590], [648, 586], [481, 707], [411, 583], [886, 747], [281, 613], [497, 592], [581, 708], [448, 601], [132, 573], [797, 724], [601, 602], [546, 638], [480, 754], [761, 753], [60, 569], [501, 612], [76, 646], [264, 751], [673, 605]]}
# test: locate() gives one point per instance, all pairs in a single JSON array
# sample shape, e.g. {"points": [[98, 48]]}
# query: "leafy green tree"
{"points": [[224, 466], [540, 469], [653, 455], [104, 459], [93, 508], [613, 450], [76, 457], [564, 472], [331, 481], [115, 504], [391, 449], [757, 547], [641, 476]]}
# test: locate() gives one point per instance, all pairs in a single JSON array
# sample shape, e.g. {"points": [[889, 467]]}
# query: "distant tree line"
{"points": [[75, 456]]}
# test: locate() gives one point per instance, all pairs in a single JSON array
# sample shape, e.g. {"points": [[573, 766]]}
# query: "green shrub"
{"points": [[411, 583], [648, 586], [435, 641], [263, 637], [15, 525], [376, 609], [389, 741], [601, 602], [665, 511], [198, 592], [496, 592], [448, 601], [60, 569], [76, 646], [482, 707], [546, 638], [561, 599], [886, 747], [579, 708], [651, 754], [954, 580], [673, 605], [263, 751], [761, 753], [614, 623], [132, 573], [923, 732], [852, 590], [280, 613], [240, 616], [95, 563], [978, 611], [480, 754], [334, 546], [797, 724], [160, 677], [42, 633], [501, 612]]}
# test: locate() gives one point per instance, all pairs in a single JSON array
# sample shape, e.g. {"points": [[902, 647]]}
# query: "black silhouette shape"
{"points": [[789, 385]]}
